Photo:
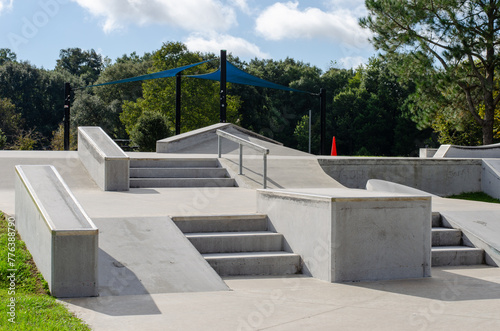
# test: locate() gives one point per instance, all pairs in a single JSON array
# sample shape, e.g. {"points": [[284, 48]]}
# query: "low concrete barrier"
{"points": [[353, 235], [443, 177], [490, 179], [106, 163], [478, 152], [60, 236]]}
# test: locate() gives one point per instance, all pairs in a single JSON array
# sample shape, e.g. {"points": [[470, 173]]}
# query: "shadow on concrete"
{"points": [[121, 293], [258, 181], [141, 191], [444, 285]]}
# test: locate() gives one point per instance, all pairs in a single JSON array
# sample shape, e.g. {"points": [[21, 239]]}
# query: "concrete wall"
{"points": [[60, 236], [442, 177], [490, 178], [353, 235], [106, 163]]}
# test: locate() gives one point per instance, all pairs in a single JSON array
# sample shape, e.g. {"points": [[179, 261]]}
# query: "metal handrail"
{"points": [[242, 142]]}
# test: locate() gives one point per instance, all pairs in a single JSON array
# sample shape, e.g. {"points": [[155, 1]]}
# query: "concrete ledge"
{"points": [[479, 152], [106, 163], [60, 236], [347, 235]]}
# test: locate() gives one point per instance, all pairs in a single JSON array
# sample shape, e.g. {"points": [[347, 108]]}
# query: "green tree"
{"points": [[10, 121], [151, 127], [3, 140], [7, 55], [452, 45], [86, 64]]}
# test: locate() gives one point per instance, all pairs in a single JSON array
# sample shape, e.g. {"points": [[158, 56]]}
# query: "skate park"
{"points": [[188, 242]]}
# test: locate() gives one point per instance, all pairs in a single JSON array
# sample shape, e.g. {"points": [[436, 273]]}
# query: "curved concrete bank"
{"points": [[479, 152], [60, 236]]}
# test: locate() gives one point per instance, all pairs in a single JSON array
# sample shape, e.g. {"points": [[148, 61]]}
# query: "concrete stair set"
{"points": [[239, 245], [449, 248], [185, 172]]}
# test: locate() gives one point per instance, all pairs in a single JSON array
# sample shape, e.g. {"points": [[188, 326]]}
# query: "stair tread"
{"points": [[247, 255], [439, 229], [456, 248], [231, 234], [176, 168]]}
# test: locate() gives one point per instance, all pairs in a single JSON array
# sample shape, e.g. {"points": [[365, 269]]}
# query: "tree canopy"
{"points": [[449, 48]]}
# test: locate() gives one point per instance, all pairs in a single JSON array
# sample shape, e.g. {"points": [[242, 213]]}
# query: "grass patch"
{"points": [[475, 196], [35, 309]]}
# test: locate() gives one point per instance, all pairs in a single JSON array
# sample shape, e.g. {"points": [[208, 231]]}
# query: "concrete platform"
{"points": [[455, 298]]}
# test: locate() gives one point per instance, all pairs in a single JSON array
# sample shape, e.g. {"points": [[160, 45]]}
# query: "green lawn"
{"points": [[33, 308], [475, 196]]}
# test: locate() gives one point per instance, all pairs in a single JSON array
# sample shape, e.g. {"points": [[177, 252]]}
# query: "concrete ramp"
{"points": [[470, 152]]}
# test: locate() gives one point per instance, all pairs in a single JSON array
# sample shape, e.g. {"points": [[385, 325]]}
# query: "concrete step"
{"points": [[178, 173], [262, 263], [436, 220], [221, 223], [456, 255], [236, 242], [182, 182], [175, 163], [446, 237]]}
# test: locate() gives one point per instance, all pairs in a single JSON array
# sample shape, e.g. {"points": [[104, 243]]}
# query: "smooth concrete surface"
{"points": [[60, 236], [106, 163], [427, 152], [353, 235], [455, 298], [442, 177], [470, 152]]}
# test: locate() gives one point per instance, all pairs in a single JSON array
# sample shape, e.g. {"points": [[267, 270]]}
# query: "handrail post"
{"points": [[241, 159], [219, 146], [265, 170]]}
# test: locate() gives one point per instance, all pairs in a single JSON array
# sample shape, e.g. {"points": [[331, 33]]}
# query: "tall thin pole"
{"points": [[310, 115], [178, 84], [322, 105], [223, 79], [67, 102]]}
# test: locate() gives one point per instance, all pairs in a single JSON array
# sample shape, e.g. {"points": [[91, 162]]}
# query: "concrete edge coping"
{"points": [[331, 198], [123, 156], [91, 230], [217, 217]]}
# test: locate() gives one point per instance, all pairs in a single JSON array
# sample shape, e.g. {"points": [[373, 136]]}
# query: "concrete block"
{"points": [[106, 163], [353, 235], [60, 236]]}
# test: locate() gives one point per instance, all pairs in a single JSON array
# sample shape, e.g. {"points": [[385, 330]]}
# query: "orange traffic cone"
{"points": [[334, 147]]}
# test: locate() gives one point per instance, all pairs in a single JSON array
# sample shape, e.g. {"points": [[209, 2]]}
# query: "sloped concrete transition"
{"points": [[188, 217]]}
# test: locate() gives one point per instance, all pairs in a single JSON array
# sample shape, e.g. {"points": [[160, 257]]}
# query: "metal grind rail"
{"points": [[243, 142]]}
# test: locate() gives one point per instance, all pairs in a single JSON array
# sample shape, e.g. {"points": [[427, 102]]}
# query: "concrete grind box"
{"points": [[346, 235]]}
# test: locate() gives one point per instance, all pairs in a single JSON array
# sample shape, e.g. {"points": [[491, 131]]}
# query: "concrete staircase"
{"points": [[182, 172], [448, 248], [239, 245]]}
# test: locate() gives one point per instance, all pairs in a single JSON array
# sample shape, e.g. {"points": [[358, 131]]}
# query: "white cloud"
{"points": [[286, 21], [191, 15], [5, 4], [214, 42], [352, 62]]}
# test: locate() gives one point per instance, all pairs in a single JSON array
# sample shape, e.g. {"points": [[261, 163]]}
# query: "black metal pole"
{"points": [[178, 103], [322, 106], [223, 79], [67, 102]]}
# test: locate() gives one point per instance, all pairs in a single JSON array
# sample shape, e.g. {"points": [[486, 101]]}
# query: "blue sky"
{"points": [[314, 31]]}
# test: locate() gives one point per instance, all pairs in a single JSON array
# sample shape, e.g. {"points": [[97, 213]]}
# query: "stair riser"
{"points": [[237, 244], [178, 173], [222, 225], [175, 163], [436, 220], [182, 182], [457, 258], [446, 238], [256, 266]]}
